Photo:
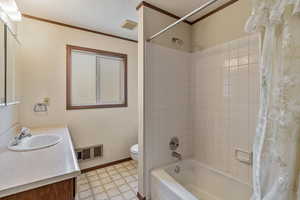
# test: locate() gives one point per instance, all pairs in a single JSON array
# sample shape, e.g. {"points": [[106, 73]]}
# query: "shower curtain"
{"points": [[276, 147]]}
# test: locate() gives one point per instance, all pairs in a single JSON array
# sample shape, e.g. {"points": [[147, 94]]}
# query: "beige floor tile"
{"points": [[103, 175], [128, 195], [98, 189], [124, 188], [101, 196], [117, 182], [116, 177], [126, 163], [125, 173], [82, 181], [122, 169], [129, 179], [130, 167], [106, 180], [120, 182], [117, 198], [109, 186], [92, 178], [111, 168], [83, 187], [95, 183], [85, 194], [113, 192], [118, 166], [102, 170], [91, 173], [112, 172], [82, 176], [133, 184]]}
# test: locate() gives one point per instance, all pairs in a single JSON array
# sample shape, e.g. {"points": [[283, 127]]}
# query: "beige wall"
{"points": [[43, 60], [225, 25], [155, 21]]}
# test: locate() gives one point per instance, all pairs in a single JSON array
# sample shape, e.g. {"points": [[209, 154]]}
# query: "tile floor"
{"points": [[117, 182]]}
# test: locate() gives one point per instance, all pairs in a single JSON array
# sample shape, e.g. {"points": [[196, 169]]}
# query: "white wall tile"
{"points": [[166, 104], [224, 98], [208, 99]]}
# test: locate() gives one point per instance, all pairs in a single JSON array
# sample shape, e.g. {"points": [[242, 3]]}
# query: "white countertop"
{"points": [[21, 171]]}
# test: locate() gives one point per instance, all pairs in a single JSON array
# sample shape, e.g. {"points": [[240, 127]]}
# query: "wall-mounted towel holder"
{"points": [[43, 106]]}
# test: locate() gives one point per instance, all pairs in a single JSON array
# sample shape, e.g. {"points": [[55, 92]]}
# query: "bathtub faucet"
{"points": [[176, 155]]}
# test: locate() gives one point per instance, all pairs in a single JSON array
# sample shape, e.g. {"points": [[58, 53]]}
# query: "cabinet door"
{"points": [[64, 190], [2, 65], [12, 77]]}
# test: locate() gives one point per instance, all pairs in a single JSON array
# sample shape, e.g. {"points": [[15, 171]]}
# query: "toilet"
{"points": [[134, 152]]}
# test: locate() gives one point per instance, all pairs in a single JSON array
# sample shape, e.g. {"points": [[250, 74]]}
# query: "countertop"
{"points": [[21, 171]]}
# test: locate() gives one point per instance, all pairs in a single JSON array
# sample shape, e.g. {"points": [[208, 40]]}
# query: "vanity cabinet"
{"points": [[64, 190]]}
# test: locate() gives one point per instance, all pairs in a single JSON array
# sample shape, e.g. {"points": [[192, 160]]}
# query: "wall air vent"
{"points": [[89, 153], [129, 24], [98, 151], [86, 154]]}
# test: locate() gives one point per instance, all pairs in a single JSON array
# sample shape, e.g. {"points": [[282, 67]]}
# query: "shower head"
{"points": [[177, 41]]}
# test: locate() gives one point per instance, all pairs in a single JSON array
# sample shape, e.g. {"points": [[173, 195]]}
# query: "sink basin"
{"points": [[35, 142]]}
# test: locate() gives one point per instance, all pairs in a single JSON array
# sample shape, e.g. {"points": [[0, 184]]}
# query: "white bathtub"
{"points": [[196, 181]]}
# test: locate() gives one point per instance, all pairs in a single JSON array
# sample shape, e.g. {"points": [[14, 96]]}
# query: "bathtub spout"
{"points": [[176, 155]]}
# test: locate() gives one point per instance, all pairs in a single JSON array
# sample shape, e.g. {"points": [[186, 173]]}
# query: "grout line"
{"points": [[97, 174]]}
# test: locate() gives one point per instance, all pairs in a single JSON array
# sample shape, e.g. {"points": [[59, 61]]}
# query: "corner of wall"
{"points": [[223, 26]]}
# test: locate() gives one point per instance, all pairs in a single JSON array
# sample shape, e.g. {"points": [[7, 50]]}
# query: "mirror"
{"points": [[11, 69], [2, 64]]}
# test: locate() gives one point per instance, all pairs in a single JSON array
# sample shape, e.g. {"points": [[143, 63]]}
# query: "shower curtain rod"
{"points": [[181, 19]]}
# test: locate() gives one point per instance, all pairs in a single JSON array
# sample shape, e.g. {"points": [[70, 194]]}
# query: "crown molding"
{"points": [[76, 27]]}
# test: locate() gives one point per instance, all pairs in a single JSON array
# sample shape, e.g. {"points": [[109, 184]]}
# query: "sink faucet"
{"points": [[24, 132], [176, 155]]}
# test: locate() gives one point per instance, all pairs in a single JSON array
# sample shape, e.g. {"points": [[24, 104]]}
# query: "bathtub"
{"points": [[196, 181]]}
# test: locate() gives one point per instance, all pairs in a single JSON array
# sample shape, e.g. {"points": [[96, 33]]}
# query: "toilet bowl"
{"points": [[134, 152]]}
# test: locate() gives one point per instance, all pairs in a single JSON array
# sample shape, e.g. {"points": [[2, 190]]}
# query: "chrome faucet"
{"points": [[173, 145], [176, 155], [24, 132]]}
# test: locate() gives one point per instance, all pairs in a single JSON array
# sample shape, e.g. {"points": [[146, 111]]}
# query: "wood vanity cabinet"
{"points": [[64, 190]]}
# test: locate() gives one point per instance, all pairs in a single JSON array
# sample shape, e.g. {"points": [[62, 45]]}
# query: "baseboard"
{"points": [[105, 165], [140, 197]]}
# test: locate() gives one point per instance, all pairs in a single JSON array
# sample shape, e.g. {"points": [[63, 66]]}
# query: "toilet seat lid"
{"points": [[135, 148]]}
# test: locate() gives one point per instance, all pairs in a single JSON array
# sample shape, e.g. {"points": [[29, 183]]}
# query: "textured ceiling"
{"points": [[105, 15]]}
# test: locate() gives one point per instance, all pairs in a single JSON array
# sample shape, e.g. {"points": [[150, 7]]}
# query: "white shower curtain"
{"points": [[276, 146]]}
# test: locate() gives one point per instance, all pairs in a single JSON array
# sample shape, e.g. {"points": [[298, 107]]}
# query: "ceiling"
{"points": [[106, 15], [183, 7]]}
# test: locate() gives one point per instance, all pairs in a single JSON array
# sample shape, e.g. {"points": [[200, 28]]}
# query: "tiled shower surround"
{"points": [[209, 99], [225, 102]]}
